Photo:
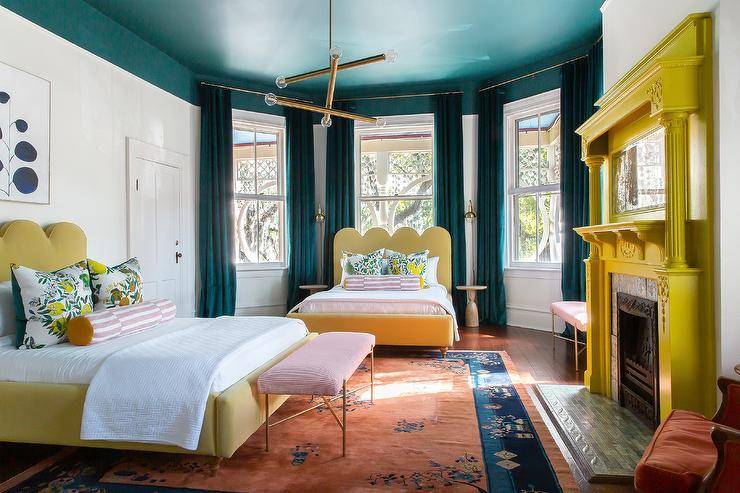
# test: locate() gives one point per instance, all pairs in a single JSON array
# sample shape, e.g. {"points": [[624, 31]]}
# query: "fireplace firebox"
{"points": [[638, 356]]}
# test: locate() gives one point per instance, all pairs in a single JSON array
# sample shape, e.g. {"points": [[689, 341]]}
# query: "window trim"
{"points": [[541, 103], [270, 123], [393, 124]]}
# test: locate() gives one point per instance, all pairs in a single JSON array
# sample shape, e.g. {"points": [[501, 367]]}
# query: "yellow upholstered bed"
{"points": [[392, 329], [52, 413]]}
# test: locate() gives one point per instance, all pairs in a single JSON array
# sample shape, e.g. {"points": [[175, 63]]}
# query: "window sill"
{"points": [[552, 273], [256, 269]]}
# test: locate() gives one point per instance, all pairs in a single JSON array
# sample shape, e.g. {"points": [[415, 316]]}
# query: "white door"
{"points": [[155, 235]]}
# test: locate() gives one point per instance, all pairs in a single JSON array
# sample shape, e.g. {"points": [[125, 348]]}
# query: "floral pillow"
{"points": [[119, 285], [364, 265], [400, 264], [46, 301]]}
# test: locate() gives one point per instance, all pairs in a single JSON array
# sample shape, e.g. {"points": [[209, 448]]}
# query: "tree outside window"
{"points": [[396, 178]]}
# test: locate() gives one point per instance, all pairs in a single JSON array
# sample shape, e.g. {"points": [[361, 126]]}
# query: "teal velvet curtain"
{"points": [[581, 86], [449, 198], [216, 205], [340, 186], [491, 220], [300, 203]]}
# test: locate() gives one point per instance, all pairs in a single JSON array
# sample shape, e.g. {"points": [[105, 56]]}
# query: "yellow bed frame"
{"points": [[52, 413], [392, 329]]}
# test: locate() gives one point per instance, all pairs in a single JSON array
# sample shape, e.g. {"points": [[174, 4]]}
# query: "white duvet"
{"points": [[432, 300]]}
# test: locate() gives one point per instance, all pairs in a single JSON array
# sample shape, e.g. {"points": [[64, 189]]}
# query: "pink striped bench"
{"points": [[321, 367]]}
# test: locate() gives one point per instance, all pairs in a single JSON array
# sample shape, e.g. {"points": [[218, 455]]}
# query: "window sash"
{"points": [[514, 234], [280, 197], [386, 198], [537, 105], [360, 131]]}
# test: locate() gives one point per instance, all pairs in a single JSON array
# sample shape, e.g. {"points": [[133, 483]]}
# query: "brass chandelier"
{"points": [[335, 53]]}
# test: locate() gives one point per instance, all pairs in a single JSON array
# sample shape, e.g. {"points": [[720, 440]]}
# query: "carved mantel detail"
{"points": [[655, 92]]}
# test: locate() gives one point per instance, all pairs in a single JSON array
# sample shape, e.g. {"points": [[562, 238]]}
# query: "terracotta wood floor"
{"points": [[531, 351]]}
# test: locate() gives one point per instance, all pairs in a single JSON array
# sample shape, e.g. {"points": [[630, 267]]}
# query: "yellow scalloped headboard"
{"points": [[405, 240], [26, 243]]}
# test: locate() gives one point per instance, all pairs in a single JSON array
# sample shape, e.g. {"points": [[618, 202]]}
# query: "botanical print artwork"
{"points": [[50, 300], [120, 285], [24, 136]]}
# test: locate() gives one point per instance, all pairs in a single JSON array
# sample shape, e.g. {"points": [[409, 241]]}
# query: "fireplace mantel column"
{"points": [[594, 187], [676, 165]]}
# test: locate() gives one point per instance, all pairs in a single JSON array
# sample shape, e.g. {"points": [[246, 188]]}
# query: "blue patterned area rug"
{"points": [[457, 424]]}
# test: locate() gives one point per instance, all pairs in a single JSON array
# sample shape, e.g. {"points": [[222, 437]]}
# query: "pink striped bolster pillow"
{"points": [[93, 328], [390, 283], [138, 317], [122, 320]]}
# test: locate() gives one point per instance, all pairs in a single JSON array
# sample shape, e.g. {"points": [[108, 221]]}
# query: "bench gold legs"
{"points": [[576, 350], [325, 401], [267, 422], [344, 418]]}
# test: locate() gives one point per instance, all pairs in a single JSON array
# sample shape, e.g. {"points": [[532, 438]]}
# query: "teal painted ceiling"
{"points": [[438, 41]]}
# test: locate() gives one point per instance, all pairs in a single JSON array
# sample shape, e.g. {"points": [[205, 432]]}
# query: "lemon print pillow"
{"points": [[413, 264], [45, 302], [119, 285]]}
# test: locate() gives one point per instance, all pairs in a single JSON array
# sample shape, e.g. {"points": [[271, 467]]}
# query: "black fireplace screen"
{"points": [[638, 356]]}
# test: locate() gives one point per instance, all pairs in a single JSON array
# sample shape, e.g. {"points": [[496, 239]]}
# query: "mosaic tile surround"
{"points": [[635, 286]]}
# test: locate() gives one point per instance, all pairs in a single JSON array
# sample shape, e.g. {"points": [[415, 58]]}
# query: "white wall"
{"points": [[631, 28], [627, 37], [728, 177], [94, 107]]}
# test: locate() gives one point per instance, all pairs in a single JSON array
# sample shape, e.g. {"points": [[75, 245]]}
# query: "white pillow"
{"points": [[430, 275], [7, 309]]}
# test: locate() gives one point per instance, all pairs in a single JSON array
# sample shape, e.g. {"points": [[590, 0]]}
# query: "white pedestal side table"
{"points": [[471, 310], [313, 288]]}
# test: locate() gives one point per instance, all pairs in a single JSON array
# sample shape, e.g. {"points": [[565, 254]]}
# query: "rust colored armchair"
{"points": [[690, 453]]}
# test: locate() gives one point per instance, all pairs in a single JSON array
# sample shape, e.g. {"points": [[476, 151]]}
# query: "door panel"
{"points": [[155, 222]]}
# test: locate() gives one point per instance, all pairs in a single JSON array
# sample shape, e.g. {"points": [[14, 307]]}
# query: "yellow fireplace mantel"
{"points": [[671, 87]]}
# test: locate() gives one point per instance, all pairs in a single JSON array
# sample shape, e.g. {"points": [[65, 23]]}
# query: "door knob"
{"points": [[178, 256]]}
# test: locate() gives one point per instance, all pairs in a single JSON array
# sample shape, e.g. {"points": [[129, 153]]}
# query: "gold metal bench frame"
{"points": [[326, 401]]}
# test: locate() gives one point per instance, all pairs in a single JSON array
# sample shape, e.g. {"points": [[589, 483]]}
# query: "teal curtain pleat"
{"points": [[581, 86], [340, 187], [300, 203], [449, 198], [491, 219], [216, 205]]}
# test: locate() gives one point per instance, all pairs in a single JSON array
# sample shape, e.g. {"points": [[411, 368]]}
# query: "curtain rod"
{"points": [[248, 91], [531, 73], [416, 95]]}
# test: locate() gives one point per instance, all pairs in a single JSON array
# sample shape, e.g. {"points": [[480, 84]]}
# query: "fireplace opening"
{"points": [[638, 356]]}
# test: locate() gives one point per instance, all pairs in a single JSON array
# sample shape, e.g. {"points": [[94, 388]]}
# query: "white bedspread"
{"points": [[429, 301], [156, 391]]}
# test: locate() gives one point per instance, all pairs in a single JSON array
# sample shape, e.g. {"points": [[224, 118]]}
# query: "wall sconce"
{"points": [[470, 213], [320, 217]]}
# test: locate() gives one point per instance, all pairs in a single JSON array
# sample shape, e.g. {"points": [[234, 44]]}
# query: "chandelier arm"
{"points": [[320, 109], [343, 66], [332, 82]]}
